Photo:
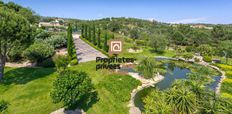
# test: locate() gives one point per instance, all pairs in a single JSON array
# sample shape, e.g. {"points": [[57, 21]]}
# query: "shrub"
{"points": [[128, 40], [190, 49], [147, 67], [74, 62], [47, 63], [3, 106], [39, 51], [61, 63], [135, 47], [16, 53], [140, 42], [196, 60], [207, 59], [187, 56], [42, 34], [57, 41], [72, 89]]}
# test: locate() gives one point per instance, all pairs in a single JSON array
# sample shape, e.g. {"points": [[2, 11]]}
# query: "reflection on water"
{"points": [[173, 73]]}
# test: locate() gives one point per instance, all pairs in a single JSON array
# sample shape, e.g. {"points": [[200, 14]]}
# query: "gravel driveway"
{"points": [[84, 51]]}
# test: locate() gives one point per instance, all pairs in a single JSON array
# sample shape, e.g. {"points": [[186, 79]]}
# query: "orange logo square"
{"points": [[115, 46]]}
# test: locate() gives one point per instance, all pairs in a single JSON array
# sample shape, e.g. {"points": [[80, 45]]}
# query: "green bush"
{"points": [[72, 89], [42, 34], [39, 51], [128, 40], [190, 49], [196, 60], [207, 59], [74, 62], [140, 42], [135, 47], [47, 63], [61, 63], [16, 53], [3, 106], [187, 56], [57, 41]]}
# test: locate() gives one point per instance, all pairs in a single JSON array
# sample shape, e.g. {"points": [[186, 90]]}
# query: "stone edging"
{"points": [[145, 83], [148, 83]]}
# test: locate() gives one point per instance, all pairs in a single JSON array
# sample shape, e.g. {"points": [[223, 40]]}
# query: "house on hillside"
{"points": [[200, 26], [55, 23]]}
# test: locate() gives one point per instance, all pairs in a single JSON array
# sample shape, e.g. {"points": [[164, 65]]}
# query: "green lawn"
{"points": [[28, 90], [113, 90]]}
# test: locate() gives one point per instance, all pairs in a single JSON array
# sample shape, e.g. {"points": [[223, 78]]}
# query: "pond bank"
{"points": [[150, 83], [203, 63], [145, 84]]}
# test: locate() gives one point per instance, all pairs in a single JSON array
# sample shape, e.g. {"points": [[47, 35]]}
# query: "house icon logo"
{"points": [[115, 46]]}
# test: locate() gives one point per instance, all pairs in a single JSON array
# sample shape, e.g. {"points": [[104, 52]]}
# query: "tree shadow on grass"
{"points": [[86, 102], [25, 75], [154, 51]]}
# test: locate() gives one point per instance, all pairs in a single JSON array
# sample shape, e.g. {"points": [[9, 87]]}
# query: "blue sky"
{"points": [[174, 11]]}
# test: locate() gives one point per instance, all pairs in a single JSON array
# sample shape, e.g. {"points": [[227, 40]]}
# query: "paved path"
{"points": [[84, 51]]}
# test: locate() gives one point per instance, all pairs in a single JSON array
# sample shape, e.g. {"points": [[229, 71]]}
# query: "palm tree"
{"points": [[181, 99], [147, 67], [197, 83], [155, 103], [214, 104]]}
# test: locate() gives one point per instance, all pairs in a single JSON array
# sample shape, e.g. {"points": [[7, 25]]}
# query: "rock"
{"points": [[63, 111], [134, 110]]}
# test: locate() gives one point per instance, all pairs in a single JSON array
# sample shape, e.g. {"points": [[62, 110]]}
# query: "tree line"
{"points": [[94, 35]]}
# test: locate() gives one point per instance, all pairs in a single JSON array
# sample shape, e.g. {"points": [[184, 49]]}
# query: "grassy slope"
{"points": [[227, 83], [147, 51], [27, 90]]}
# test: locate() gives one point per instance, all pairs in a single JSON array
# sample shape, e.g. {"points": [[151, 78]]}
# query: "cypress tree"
{"points": [[113, 36], [90, 36], [99, 38], [86, 30], [94, 35], [105, 42], [82, 30], [70, 45], [76, 28]]}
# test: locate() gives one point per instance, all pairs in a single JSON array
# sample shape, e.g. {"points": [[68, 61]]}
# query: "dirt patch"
{"points": [[134, 51], [20, 64], [62, 51]]}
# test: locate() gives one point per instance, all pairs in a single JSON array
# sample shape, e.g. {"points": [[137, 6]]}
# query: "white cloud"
{"points": [[191, 20]]}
